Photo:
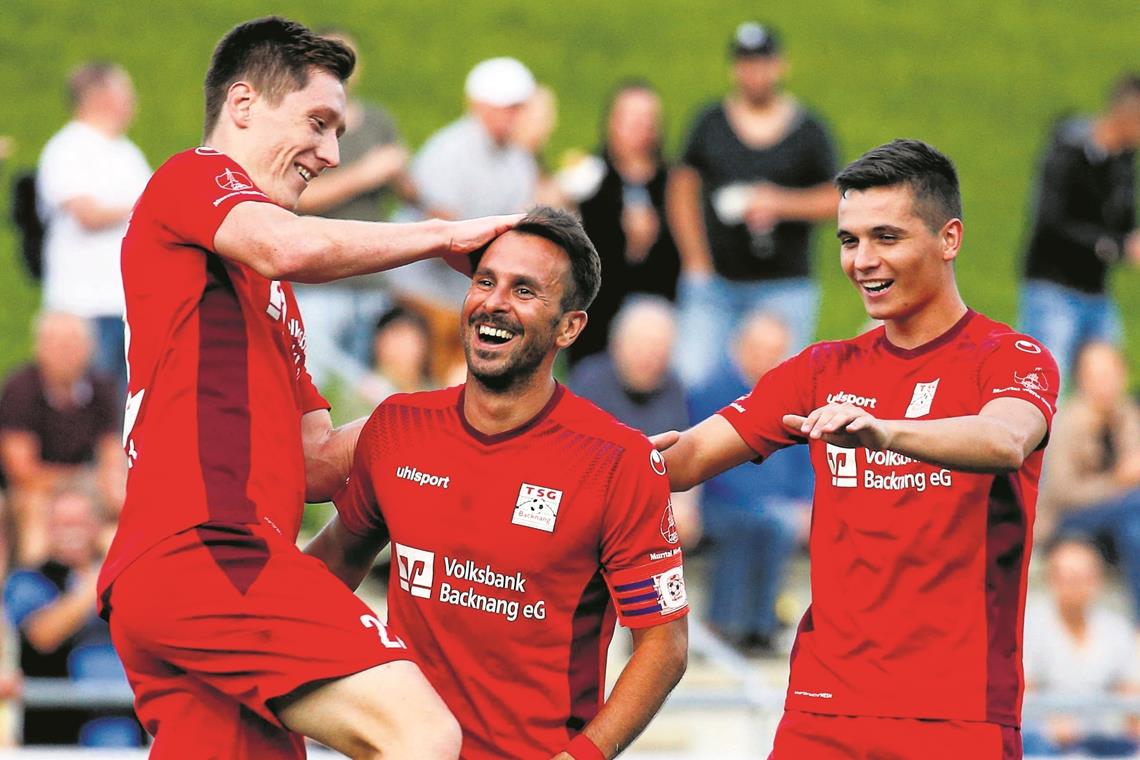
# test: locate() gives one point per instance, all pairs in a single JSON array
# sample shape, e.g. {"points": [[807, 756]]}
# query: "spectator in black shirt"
{"points": [[623, 212], [1084, 223], [756, 172]]}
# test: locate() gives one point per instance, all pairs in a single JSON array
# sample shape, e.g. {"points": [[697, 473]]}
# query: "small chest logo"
{"points": [[537, 507], [417, 570], [922, 399]]}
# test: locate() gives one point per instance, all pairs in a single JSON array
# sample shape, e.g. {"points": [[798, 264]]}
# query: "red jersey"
{"points": [[918, 573], [216, 364], [510, 553]]}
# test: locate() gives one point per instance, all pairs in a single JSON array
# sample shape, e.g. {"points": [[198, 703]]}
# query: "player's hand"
{"points": [[843, 425], [663, 441], [467, 236]]}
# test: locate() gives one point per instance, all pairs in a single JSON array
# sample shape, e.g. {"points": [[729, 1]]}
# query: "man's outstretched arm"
{"points": [[701, 452], [280, 245], [996, 439], [660, 656]]}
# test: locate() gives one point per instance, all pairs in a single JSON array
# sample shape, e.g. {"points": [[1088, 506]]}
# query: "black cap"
{"points": [[752, 38]]}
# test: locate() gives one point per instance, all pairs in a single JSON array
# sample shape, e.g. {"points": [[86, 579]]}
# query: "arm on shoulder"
{"points": [[704, 451]]}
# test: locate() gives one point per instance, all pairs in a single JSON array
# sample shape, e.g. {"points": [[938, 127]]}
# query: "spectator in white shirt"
{"points": [[88, 179]]}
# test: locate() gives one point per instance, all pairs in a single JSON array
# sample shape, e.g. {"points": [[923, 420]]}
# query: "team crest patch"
{"points": [[537, 507], [922, 399]]}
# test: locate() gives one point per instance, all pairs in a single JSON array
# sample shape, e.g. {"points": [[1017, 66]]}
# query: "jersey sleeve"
{"points": [[758, 416], [640, 547], [1020, 367], [356, 501], [197, 190]]}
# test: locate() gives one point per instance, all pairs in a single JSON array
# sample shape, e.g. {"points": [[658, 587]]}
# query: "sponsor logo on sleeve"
{"points": [[1032, 381], [235, 183], [844, 470], [657, 462], [276, 307], [670, 588], [922, 399], [417, 570], [738, 405], [1028, 347], [205, 151], [231, 180], [669, 524], [537, 507]]}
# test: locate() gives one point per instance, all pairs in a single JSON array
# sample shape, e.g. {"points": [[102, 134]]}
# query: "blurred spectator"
{"points": [[401, 348], [755, 515], [755, 173], [1091, 478], [88, 179], [1074, 648], [57, 418], [52, 606], [472, 167], [532, 131], [623, 211], [1084, 223], [633, 382], [373, 167]]}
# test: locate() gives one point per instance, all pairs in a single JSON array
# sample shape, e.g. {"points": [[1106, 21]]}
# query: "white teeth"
{"points": [[875, 285], [495, 332], [305, 174]]}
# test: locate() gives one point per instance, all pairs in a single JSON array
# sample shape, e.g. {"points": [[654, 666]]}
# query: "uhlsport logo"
{"points": [[417, 570], [537, 507], [423, 478], [844, 470], [843, 397]]}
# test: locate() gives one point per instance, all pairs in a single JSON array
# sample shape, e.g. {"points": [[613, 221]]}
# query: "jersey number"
{"points": [[392, 642]]}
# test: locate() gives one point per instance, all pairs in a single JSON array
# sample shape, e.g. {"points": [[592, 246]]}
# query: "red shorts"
{"points": [[214, 623], [804, 735]]}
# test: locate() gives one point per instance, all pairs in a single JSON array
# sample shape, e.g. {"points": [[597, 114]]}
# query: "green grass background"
{"points": [[980, 80]]}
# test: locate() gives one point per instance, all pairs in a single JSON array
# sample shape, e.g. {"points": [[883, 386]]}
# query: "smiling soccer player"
{"points": [[926, 435]]}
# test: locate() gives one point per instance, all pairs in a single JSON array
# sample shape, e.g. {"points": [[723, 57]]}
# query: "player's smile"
{"points": [[490, 336], [875, 288]]}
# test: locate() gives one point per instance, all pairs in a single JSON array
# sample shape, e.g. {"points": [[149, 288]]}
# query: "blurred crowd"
{"points": [[707, 284]]}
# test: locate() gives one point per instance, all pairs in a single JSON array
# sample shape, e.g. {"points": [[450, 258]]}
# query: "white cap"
{"points": [[500, 82]]}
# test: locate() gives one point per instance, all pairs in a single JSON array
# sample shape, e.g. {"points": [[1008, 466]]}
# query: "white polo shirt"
{"points": [[82, 274]]}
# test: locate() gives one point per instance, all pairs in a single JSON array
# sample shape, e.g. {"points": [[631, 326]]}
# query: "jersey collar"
{"points": [[930, 345], [487, 440]]}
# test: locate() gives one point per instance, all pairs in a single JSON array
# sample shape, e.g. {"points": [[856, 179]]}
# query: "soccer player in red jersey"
{"points": [[521, 518], [231, 637], [926, 435]]}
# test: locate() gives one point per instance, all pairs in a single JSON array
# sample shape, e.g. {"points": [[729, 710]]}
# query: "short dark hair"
{"points": [[1127, 86], [89, 76], [928, 173], [276, 56], [565, 231]]}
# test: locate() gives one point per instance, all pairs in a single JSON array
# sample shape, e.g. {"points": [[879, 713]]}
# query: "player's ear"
{"points": [[570, 327], [239, 103], [950, 238]]}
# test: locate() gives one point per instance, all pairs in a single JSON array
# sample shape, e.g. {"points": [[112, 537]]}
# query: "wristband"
{"points": [[581, 748]]}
